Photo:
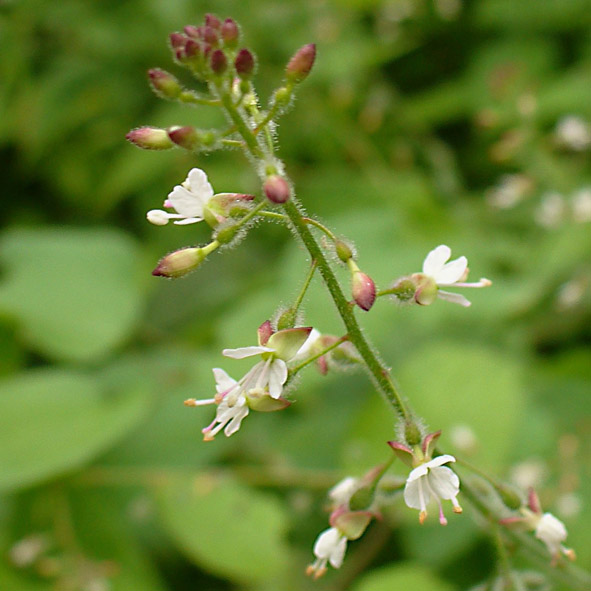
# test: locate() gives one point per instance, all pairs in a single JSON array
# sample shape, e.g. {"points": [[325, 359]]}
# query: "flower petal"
{"points": [[236, 420], [286, 343], [186, 203], [412, 498], [186, 221], [435, 260], [452, 271], [455, 298], [444, 482], [439, 461], [243, 352], [277, 377], [223, 381], [199, 185]]}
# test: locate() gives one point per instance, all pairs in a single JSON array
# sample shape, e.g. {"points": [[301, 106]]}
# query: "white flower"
{"points": [[449, 274], [341, 493], [276, 350], [330, 547], [432, 479], [552, 532], [188, 201], [574, 133]]}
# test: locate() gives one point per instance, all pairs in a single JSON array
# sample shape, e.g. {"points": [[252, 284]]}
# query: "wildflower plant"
{"points": [[214, 53]]}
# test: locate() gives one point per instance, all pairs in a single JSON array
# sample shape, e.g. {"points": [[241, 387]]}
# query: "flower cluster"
{"points": [[261, 388]]}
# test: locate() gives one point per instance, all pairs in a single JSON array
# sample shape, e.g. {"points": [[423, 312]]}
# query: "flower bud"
{"points": [[277, 189], [364, 290], [192, 31], [244, 64], [210, 36], [211, 20], [164, 84], [218, 62], [230, 32], [344, 251], [186, 137], [177, 40], [301, 63], [179, 263], [192, 50], [150, 138]]}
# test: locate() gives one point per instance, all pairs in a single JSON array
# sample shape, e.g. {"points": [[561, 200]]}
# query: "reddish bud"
{"points": [[150, 138], [192, 49], [209, 35], [364, 290], [218, 62], [179, 263], [164, 84], [185, 137], [192, 31], [277, 189], [244, 64], [301, 63], [177, 40], [211, 20], [230, 32]]}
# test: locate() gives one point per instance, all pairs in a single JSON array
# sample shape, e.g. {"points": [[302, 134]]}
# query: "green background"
{"points": [[413, 115]]}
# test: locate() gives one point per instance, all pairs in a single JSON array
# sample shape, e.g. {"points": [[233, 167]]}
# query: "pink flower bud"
{"points": [[218, 62], [210, 36], [244, 64], [211, 20], [192, 49], [164, 84], [364, 290], [186, 137], [150, 138], [230, 32], [177, 40], [301, 63], [192, 31], [277, 189], [179, 263]]}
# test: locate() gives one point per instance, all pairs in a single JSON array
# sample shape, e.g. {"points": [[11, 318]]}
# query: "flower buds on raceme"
{"points": [[301, 63], [277, 189], [244, 64], [179, 263], [164, 84], [150, 138]]}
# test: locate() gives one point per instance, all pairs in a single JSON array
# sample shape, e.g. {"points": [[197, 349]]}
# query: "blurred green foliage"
{"points": [[423, 122]]}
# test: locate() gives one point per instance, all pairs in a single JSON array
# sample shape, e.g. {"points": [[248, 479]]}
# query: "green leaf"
{"points": [[403, 576], [52, 421], [74, 291], [228, 529]]}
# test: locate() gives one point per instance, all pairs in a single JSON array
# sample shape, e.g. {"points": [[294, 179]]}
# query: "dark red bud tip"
{"points": [[192, 49], [177, 40], [364, 290], [244, 64], [277, 189], [230, 32], [218, 62], [211, 20], [301, 63]]}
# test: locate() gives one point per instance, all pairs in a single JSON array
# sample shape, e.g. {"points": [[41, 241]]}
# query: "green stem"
{"points": [[305, 287], [378, 372]]}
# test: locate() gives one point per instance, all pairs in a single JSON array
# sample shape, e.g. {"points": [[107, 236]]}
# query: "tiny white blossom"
{"points": [[341, 493], [330, 547], [552, 532], [188, 201], [574, 133], [449, 274], [432, 479]]}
